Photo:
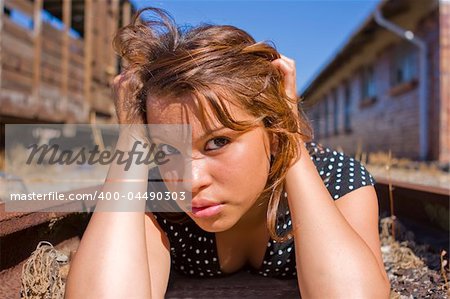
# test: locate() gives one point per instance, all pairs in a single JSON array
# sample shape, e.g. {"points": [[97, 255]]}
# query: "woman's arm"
{"points": [[333, 261], [111, 260], [337, 243], [360, 209]]}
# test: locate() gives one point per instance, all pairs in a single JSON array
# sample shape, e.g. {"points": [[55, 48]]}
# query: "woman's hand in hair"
{"points": [[127, 105], [287, 67]]}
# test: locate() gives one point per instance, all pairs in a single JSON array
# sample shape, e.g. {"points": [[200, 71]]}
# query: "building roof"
{"points": [[361, 36]]}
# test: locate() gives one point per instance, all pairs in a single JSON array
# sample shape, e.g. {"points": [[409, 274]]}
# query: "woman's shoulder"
{"points": [[340, 173]]}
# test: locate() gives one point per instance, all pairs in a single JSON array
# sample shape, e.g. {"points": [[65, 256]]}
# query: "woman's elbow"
{"points": [[376, 291], [387, 288]]}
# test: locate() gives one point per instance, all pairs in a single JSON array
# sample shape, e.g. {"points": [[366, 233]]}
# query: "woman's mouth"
{"points": [[208, 211]]}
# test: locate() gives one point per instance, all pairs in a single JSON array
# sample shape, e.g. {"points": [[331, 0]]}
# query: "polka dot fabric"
{"points": [[193, 250], [341, 174]]}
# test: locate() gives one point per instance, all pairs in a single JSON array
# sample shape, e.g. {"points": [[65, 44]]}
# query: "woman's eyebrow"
{"points": [[208, 133], [211, 132]]}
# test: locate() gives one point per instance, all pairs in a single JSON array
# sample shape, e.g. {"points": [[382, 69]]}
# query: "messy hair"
{"points": [[216, 65]]}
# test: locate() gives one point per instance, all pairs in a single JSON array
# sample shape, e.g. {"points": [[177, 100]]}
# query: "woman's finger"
{"points": [[287, 67], [124, 106]]}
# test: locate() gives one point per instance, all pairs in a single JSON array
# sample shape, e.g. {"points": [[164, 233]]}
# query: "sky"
{"points": [[308, 31]]}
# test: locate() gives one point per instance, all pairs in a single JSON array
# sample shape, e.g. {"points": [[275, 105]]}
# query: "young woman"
{"points": [[265, 197]]}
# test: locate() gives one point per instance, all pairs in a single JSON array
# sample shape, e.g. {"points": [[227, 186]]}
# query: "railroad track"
{"points": [[423, 210]]}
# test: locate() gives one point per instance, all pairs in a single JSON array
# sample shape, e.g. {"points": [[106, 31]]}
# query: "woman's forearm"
{"points": [[333, 261], [111, 261]]}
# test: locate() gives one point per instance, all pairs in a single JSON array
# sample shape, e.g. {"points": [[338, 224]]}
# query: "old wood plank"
{"points": [[52, 49], [77, 44], [15, 45], [114, 25], [241, 284], [11, 28], [17, 63], [54, 63], [88, 39], [2, 4], [126, 13], [50, 32], [37, 22], [15, 103], [76, 58], [24, 6], [67, 10], [51, 76], [99, 7], [16, 80], [76, 86], [101, 99]]}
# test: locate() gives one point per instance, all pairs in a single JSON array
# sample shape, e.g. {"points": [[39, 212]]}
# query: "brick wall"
{"points": [[430, 31], [445, 81]]}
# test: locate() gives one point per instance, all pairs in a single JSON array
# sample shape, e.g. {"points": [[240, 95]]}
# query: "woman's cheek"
{"points": [[247, 166]]}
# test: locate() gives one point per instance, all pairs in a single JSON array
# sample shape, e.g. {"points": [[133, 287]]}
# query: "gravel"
{"points": [[414, 270]]}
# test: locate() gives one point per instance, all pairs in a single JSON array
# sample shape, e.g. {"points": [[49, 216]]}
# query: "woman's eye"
{"points": [[216, 143], [168, 150]]}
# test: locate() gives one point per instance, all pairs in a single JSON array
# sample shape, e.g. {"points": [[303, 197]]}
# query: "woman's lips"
{"points": [[207, 211]]}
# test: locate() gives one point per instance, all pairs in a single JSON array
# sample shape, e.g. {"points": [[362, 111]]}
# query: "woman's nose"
{"points": [[197, 176]]}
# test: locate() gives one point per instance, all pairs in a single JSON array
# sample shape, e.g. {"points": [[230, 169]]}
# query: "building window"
{"points": [[347, 107], [335, 113], [404, 69], [368, 88]]}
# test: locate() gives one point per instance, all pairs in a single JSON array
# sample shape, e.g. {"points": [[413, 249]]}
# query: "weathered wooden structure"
{"points": [[47, 74]]}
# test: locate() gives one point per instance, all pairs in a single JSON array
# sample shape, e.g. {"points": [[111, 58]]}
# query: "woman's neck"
{"points": [[254, 219]]}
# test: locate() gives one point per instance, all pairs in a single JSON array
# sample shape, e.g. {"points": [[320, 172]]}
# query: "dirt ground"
{"points": [[414, 270]]}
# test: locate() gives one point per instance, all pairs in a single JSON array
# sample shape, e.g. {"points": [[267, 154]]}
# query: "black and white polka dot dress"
{"points": [[194, 251]]}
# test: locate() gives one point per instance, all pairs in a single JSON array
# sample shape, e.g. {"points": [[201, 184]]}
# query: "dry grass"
{"points": [[429, 173], [382, 158]]}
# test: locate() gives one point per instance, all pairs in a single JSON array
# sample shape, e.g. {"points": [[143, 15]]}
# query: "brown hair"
{"points": [[216, 64]]}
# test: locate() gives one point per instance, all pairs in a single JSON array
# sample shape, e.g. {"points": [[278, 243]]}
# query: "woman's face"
{"points": [[228, 169]]}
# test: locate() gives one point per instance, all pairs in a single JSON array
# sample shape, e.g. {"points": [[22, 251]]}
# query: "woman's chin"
{"points": [[215, 225]]}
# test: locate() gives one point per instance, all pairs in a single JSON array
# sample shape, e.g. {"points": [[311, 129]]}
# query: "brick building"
{"points": [[388, 87]]}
